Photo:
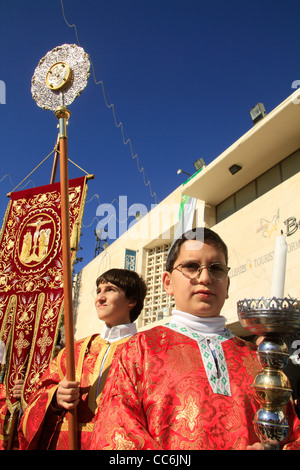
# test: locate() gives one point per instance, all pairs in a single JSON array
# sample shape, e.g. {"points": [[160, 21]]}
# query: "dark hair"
{"points": [[132, 284], [203, 234]]}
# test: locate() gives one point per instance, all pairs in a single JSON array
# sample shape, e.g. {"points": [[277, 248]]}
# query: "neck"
{"points": [[210, 325], [117, 332]]}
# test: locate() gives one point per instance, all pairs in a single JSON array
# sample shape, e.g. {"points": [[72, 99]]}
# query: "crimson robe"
{"points": [[158, 396], [43, 428], [3, 418]]}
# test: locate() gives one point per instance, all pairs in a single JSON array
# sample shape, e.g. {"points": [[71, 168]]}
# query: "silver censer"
{"points": [[274, 319]]}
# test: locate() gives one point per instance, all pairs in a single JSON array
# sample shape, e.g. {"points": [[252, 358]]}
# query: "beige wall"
{"points": [[250, 235]]}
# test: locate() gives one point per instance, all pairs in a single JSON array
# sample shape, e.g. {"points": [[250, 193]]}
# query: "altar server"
{"points": [[185, 385]]}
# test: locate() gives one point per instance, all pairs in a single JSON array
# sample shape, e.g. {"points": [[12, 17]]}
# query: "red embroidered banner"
{"points": [[31, 282]]}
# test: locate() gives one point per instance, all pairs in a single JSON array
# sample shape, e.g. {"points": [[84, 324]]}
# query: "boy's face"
{"points": [[202, 297], [112, 305]]}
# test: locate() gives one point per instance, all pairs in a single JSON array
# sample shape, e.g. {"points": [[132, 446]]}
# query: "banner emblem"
{"points": [[31, 279]]}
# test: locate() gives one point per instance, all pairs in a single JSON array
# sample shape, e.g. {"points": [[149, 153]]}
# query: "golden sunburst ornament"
{"points": [[60, 76]]}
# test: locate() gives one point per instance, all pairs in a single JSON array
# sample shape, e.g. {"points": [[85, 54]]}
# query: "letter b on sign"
{"points": [[291, 226]]}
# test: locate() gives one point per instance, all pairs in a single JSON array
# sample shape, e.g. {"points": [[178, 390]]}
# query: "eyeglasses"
{"points": [[192, 270]]}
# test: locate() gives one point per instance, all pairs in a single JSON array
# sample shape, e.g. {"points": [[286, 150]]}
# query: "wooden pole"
{"points": [[62, 114]]}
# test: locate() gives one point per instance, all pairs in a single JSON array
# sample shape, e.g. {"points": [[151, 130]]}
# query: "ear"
{"points": [[132, 303], [167, 283]]}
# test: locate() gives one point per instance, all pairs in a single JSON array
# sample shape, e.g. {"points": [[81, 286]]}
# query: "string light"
{"points": [[111, 106]]}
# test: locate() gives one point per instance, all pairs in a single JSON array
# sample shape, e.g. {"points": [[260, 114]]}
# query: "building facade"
{"points": [[248, 195]]}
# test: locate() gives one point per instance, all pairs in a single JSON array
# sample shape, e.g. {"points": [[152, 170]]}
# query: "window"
{"points": [[157, 303], [245, 195], [268, 180], [226, 208], [291, 165], [264, 183]]}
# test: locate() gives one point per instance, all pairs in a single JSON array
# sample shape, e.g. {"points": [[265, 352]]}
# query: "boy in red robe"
{"points": [[44, 425], [185, 385]]}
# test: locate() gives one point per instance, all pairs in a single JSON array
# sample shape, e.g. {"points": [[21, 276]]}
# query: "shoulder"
{"points": [[156, 332], [146, 336], [242, 352], [239, 348], [244, 345], [156, 339], [79, 344]]}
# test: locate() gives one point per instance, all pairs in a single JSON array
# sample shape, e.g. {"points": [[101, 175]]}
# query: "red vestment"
{"points": [[3, 418], [6, 423], [158, 396], [41, 427]]}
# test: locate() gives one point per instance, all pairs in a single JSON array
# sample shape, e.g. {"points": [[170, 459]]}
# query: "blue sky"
{"points": [[182, 75]]}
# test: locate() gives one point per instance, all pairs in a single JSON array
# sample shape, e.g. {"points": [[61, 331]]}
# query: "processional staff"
{"points": [[58, 79]]}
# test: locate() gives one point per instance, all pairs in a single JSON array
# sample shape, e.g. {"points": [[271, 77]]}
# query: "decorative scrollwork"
{"points": [[269, 303], [62, 73], [270, 315]]}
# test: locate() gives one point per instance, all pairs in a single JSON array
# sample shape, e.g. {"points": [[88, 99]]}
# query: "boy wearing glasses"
{"points": [[185, 385]]}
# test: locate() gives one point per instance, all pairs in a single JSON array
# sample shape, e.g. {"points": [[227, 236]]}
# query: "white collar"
{"points": [[207, 326], [118, 332]]}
